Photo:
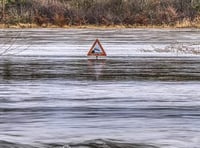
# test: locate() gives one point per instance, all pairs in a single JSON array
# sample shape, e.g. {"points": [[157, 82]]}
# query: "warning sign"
{"points": [[97, 49]]}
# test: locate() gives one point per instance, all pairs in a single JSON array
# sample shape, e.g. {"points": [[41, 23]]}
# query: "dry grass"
{"points": [[84, 13], [184, 24]]}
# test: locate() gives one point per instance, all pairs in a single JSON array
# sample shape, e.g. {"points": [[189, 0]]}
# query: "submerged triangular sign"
{"points": [[96, 49]]}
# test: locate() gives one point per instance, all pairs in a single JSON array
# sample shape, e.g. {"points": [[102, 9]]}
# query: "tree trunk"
{"points": [[3, 10]]}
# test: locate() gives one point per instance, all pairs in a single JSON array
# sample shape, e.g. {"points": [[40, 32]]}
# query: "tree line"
{"points": [[99, 12]]}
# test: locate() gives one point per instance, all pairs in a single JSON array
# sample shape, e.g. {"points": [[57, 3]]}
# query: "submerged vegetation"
{"points": [[179, 13]]}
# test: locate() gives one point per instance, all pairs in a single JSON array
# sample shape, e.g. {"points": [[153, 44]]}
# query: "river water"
{"points": [[53, 95]]}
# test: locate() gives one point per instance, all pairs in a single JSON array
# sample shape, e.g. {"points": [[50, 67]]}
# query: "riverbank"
{"points": [[100, 14], [184, 24]]}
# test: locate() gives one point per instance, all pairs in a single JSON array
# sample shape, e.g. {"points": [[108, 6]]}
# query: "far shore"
{"points": [[165, 26]]}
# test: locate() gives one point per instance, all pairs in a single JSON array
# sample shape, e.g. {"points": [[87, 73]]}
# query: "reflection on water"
{"points": [[96, 67], [6, 71], [120, 69]]}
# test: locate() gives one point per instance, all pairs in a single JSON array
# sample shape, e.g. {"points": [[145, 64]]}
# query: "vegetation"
{"points": [[181, 13]]}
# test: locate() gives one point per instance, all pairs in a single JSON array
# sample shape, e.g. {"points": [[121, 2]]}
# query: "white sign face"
{"points": [[96, 49]]}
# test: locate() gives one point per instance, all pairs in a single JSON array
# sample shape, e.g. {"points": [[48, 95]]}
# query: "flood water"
{"points": [[53, 95]]}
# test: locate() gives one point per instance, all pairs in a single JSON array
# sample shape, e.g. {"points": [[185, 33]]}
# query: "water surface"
{"points": [[52, 95]]}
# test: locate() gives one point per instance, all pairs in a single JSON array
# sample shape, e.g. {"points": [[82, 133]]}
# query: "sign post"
{"points": [[97, 50]]}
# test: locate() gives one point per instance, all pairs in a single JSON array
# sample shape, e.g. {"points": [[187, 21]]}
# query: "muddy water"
{"points": [[52, 95]]}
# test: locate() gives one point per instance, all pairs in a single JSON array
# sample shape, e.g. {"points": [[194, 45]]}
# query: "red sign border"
{"points": [[102, 49]]}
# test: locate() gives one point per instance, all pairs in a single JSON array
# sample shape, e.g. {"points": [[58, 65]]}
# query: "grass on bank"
{"points": [[186, 23]]}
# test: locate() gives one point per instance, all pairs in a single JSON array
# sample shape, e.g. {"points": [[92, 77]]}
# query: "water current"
{"points": [[53, 95]]}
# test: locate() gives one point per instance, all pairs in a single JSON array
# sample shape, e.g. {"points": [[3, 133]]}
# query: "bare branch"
{"points": [[10, 43]]}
